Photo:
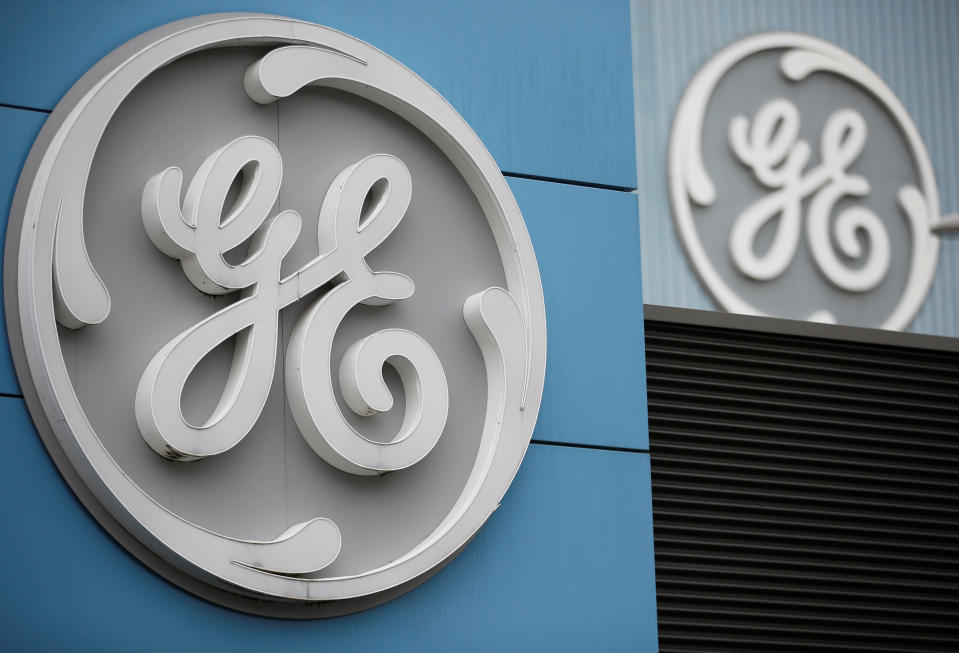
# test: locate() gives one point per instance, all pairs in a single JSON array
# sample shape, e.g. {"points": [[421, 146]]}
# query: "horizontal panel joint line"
{"points": [[569, 182], [579, 445], [23, 108]]}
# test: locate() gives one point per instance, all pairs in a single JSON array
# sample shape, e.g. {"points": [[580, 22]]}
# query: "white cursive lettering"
{"points": [[363, 206], [770, 146]]}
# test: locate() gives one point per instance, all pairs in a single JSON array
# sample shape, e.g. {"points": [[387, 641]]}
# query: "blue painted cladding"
{"points": [[17, 131], [913, 46], [587, 246], [546, 84], [564, 565]]}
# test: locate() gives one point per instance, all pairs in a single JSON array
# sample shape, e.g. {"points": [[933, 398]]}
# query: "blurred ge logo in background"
{"points": [[800, 187]]}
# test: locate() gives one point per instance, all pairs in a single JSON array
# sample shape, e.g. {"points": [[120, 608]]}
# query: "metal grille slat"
{"points": [[801, 429], [705, 602], [805, 489], [799, 390], [709, 546], [763, 414], [791, 440], [692, 478], [749, 399]]}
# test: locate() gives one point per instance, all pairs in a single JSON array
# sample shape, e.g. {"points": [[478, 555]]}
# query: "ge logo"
{"points": [[278, 317], [801, 188], [349, 229]]}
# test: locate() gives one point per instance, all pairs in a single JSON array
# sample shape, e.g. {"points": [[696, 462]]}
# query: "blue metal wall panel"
{"points": [[564, 565], [587, 247], [566, 562], [17, 131], [913, 46], [547, 85]]}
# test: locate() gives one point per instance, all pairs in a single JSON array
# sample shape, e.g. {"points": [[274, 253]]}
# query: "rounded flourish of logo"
{"points": [[115, 348], [800, 187]]}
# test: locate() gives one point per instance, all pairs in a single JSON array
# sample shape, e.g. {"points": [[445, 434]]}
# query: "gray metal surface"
{"points": [[911, 45], [805, 487]]}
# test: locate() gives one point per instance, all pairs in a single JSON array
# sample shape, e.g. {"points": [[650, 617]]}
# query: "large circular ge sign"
{"points": [[275, 313]]}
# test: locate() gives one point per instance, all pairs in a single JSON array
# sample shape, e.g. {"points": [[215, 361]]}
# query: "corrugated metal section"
{"points": [[913, 46], [805, 491]]}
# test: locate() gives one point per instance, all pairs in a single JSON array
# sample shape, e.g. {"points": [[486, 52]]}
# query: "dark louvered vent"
{"points": [[805, 489]]}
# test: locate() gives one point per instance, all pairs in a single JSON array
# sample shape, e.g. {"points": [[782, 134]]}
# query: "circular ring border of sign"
{"points": [[163, 541], [689, 181]]}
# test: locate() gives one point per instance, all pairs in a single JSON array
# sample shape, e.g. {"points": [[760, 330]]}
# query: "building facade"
{"points": [[575, 102]]}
